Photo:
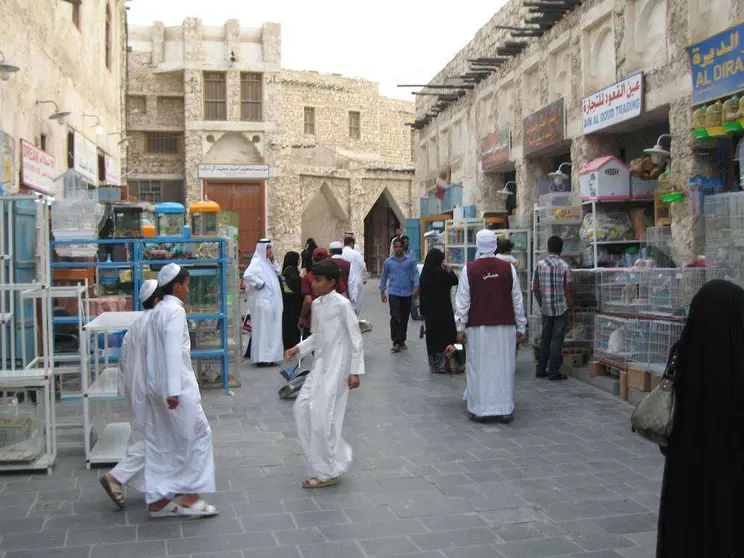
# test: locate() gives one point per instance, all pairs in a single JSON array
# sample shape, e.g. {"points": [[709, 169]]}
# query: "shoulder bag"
{"points": [[653, 418]]}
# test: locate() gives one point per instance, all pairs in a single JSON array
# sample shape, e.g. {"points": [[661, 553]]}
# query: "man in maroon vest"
{"points": [[490, 308]]}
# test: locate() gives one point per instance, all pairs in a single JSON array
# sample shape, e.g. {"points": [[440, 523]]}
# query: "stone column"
{"points": [[158, 43], [232, 85], [529, 172], [193, 105]]}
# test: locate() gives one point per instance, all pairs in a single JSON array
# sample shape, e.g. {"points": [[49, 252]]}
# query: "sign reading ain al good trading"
{"points": [[614, 104], [495, 149], [717, 66], [544, 128]]}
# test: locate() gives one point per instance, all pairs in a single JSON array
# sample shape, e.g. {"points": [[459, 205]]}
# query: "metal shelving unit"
{"points": [[459, 241], [522, 239]]}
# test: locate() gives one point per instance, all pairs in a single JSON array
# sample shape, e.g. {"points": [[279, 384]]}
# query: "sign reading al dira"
{"points": [[717, 66]]}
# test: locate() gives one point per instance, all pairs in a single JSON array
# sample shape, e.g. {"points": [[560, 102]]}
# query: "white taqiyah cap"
{"points": [[335, 245], [168, 273], [147, 290], [486, 241]]}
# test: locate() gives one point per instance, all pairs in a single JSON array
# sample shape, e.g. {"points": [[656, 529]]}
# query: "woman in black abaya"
{"points": [[307, 256], [436, 307], [700, 514], [292, 298]]}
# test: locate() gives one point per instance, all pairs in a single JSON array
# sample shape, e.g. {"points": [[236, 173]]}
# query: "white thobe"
{"points": [[178, 442], [266, 306], [491, 353], [132, 378], [356, 281], [357, 261], [321, 404]]}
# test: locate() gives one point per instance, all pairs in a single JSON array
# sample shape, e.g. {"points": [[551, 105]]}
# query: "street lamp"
{"points": [[59, 116], [558, 175], [97, 127], [657, 152], [124, 139], [6, 68]]}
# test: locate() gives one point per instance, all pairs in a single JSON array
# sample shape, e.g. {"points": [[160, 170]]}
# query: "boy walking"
{"points": [[339, 361]]}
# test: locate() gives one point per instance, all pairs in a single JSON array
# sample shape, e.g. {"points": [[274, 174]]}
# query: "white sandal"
{"points": [[171, 509], [199, 509]]}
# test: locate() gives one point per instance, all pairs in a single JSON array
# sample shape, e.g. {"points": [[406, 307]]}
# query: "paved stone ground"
{"points": [[567, 478]]}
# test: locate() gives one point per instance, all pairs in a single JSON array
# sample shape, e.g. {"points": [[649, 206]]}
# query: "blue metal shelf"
{"points": [[112, 265], [206, 353], [201, 316], [183, 262]]}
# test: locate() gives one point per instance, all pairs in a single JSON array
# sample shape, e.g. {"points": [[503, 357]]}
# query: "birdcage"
{"points": [[725, 262], [535, 325], [724, 219], [21, 426], [569, 233], [585, 286], [611, 341], [580, 331], [658, 245], [649, 343], [670, 291], [624, 291]]}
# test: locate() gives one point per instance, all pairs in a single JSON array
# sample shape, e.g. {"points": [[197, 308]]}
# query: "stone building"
{"points": [[71, 59], [291, 154], [497, 130]]}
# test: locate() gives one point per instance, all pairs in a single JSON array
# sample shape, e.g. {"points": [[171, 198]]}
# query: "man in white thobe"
{"points": [[266, 305], [356, 260], [132, 377], [490, 308], [339, 361], [178, 438], [355, 282]]}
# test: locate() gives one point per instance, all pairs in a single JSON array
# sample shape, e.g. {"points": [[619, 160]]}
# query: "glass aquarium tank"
{"points": [[128, 221], [170, 219], [205, 217], [204, 290]]}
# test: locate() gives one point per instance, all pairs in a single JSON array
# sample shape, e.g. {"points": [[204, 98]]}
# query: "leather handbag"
{"points": [[653, 418]]}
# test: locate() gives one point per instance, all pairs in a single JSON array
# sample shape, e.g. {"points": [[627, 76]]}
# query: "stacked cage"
{"points": [[615, 342], [724, 237], [670, 291], [624, 291], [21, 427], [658, 246], [649, 343]]}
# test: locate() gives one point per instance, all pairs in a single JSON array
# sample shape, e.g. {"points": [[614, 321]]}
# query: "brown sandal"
{"points": [[113, 489], [315, 482]]}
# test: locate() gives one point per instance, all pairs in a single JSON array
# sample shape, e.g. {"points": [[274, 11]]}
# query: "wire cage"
{"points": [[658, 245], [724, 219], [624, 291], [649, 342], [572, 245], [725, 262], [612, 344], [21, 426], [585, 285], [670, 291], [535, 329], [580, 332]]}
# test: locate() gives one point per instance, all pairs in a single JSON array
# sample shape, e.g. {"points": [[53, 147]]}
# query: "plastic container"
{"points": [[731, 115], [127, 221], [170, 218], [561, 206], [714, 115]]}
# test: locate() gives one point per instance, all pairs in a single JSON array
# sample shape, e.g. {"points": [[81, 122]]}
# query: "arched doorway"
{"points": [[324, 219], [379, 228]]}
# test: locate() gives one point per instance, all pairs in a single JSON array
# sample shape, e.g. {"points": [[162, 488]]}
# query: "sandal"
{"points": [[169, 510], [476, 418], [315, 482], [199, 509], [113, 489], [506, 419]]}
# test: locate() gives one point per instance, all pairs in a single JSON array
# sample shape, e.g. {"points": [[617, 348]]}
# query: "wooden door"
{"points": [[246, 200]]}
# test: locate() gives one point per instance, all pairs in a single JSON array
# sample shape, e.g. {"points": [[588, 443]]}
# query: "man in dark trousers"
{"points": [[400, 278]]}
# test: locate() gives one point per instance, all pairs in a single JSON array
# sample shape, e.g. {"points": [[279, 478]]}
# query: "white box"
{"points": [[606, 178], [640, 188]]}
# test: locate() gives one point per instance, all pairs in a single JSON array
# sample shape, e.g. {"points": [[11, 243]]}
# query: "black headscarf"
{"points": [[432, 263], [703, 485], [307, 254], [291, 259], [310, 246]]}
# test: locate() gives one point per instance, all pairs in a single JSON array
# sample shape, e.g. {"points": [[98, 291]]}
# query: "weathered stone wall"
{"points": [[597, 44], [61, 63]]}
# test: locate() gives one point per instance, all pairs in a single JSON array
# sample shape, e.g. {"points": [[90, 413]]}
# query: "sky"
{"points": [[399, 41]]}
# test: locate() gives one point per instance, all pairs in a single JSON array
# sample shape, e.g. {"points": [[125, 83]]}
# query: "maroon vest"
{"points": [[490, 281], [345, 268]]}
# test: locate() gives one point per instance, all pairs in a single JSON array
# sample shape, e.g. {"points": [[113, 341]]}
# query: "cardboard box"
{"points": [[624, 386], [596, 369], [573, 360], [639, 380]]}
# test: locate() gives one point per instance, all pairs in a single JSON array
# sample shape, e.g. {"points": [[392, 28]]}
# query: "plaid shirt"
{"points": [[552, 273]]}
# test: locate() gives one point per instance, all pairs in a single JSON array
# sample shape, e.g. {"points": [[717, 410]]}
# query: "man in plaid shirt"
{"points": [[552, 289]]}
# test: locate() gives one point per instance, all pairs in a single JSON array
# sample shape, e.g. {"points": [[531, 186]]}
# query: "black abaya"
{"points": [[292, 307], [436, 307], [703, 488]]}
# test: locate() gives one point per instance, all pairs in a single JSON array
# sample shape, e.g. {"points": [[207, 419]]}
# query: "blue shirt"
{"points": [[399, 277]]}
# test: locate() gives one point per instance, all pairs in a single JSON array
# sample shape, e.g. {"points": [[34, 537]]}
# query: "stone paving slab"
{"points": [[567, 478]]}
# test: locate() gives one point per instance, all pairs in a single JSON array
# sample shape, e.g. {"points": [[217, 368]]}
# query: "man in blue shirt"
{"points": [[400, 278]]}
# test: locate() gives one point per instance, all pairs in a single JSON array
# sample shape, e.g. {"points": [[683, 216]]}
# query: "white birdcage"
{"points": [[725, 262], [649, 343], [580, 331], [724, 219], [670, 291], [569, 233], [611, 336], [658, 245], [21, 426], [624, 291]]}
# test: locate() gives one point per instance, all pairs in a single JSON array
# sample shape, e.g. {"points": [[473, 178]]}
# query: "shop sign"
{"points": [[86, 158], [113, 176], [234, 171], [717, 66], [614, 104], [495, 149], [7, 164], [544, 128], [37, 169]]}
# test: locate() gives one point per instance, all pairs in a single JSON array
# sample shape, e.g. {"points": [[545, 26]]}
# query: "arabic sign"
{"points": [[113, 176], [37, 169], [7, 164], [234, 171], [717, 66], [495, 149], [544, 128], [86, 158], [614, 104]]}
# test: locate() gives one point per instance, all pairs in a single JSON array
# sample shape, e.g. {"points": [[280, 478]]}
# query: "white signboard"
{"points": [[234, 171], [37, 169], [86, 158], [614, 104], [113, 176]]}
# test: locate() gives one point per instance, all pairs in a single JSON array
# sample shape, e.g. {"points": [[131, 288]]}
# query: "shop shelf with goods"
{"points": [[459, 241], [104, 437], [558, 214], [522, 251]]}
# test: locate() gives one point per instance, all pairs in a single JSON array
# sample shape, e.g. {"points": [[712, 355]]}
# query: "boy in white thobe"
{"points": [[338, 363], [178, 439], [489, 305], [132, 376], [266, 305], [356, 260]]}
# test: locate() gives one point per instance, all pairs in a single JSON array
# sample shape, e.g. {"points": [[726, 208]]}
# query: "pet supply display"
{"points": [[608, 226]]}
